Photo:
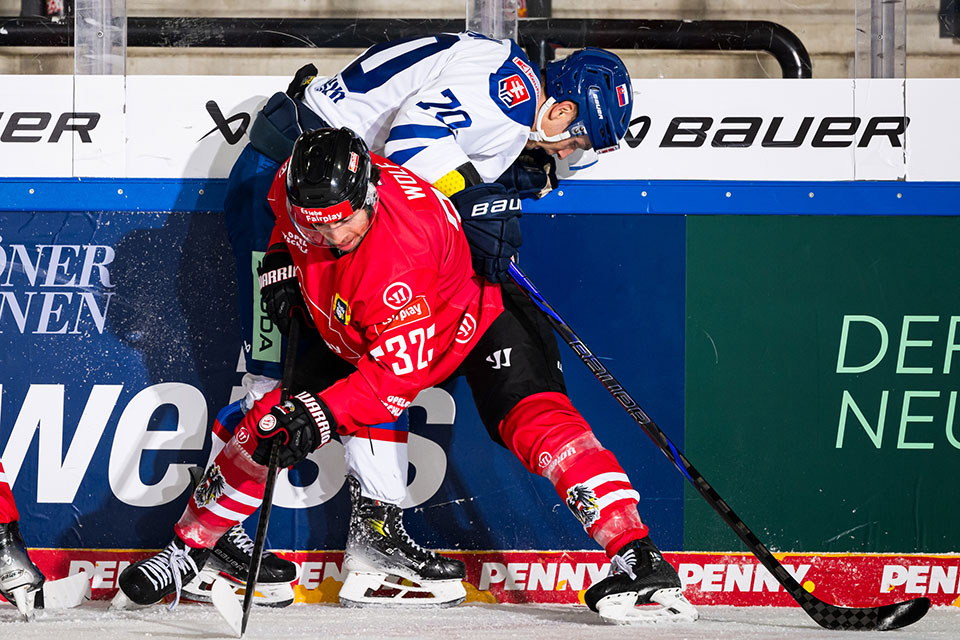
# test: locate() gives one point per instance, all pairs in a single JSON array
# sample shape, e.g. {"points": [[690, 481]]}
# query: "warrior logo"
{"points": [[544, 459], [397, 295], [211, 486], [583, 503], [468, 327]]}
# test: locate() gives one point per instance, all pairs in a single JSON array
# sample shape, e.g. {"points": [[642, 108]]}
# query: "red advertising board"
{"points": [[559, 577]]}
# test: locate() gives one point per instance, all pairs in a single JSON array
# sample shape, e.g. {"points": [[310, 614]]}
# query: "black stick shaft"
{"points": [[261, 538], [824, 614]]}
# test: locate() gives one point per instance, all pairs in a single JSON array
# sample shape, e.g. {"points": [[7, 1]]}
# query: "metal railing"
{"points": [[538, 36]]}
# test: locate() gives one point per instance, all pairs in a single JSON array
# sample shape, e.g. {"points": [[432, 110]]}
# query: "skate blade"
{"points": [[276, 595], [227, 605], [121, 602], [621, 608], [24, 600], [66, 593], [363, 589]]}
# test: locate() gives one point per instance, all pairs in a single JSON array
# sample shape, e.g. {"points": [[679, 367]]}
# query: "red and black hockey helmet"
{"points": [[330, 176]]}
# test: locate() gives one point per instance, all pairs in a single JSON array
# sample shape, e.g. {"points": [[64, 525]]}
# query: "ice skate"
{"points": [[385, 566], [640, 587], [230, 561], [148, 581], [20, 579]]}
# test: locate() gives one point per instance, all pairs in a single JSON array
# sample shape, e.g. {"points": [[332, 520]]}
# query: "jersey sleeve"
{"points": [[396, 367]]}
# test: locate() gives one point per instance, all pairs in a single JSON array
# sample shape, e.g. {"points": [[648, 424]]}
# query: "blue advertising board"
{"points": [[119, 339]]}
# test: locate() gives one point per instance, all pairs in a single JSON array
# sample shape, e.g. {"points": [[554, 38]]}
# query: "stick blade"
{"points": [[901, 614], [227, 605], [885, 618], [66, 593]]}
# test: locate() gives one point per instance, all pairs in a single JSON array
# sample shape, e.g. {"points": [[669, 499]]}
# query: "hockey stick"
{"points": [[829, 616], [272, 468]]}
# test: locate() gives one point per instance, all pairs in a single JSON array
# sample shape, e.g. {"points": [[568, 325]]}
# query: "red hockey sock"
{"points": [[552, 439], [231, 488], [8, 508]]}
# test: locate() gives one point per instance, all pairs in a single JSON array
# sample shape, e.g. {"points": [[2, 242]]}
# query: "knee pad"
{"points": [[553, 440], [539, 427]]}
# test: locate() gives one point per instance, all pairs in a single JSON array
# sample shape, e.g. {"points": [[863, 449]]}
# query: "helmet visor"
{"points": [[338, 226]]}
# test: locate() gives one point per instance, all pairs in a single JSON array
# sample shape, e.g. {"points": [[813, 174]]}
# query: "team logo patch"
{"points": [[623, 97], [397, 295], [583, 503], [210, 487], [468, 327], [267, 423], [512, 91], [341, 310], [354, 161], [418, 309]]}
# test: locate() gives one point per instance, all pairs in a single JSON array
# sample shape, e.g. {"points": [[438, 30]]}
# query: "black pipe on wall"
{"points": [[536, 35]]}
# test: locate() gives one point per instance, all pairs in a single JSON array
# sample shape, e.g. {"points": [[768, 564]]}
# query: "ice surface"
{"points": [[474, 621]]}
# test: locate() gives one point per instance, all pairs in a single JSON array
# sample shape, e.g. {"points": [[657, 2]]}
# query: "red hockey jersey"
{"points": [[405, 306]]}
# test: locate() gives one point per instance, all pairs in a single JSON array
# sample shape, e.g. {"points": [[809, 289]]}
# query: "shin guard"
{"points": [[553, 440], [231, 488]]}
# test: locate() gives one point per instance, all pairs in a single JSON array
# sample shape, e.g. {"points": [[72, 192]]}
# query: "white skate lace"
{"points": [[240, 538], [623, 564], [410, 541], [169, 565]]}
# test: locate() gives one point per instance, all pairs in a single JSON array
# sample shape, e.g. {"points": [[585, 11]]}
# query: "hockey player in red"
{"points": [[378, 261], [20, 579], [21, 582]]}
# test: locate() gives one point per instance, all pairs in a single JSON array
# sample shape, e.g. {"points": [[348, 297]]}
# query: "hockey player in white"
{"points": [[471, 115]]}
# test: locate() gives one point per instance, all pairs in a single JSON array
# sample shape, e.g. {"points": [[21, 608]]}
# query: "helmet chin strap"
{"points": [[538, 135]]}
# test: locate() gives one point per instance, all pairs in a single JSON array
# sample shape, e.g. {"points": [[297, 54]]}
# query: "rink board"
{"points": [[789, 325], [124, 335], [560, 577]]}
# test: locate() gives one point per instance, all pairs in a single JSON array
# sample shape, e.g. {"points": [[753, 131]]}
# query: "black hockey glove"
{"points": [[303, 423], [491, 222], [280, 289], [303, 77], [533, 174]]}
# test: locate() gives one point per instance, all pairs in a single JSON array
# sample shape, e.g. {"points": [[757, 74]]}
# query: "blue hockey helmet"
{"points": [[598, 82]]}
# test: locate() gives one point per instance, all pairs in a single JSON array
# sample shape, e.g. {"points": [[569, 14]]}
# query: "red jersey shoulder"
{"points": [[278, 190], [403, 191], [399, 185]]}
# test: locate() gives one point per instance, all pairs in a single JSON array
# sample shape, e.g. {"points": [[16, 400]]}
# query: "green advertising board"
{"points": [[822, 375]]}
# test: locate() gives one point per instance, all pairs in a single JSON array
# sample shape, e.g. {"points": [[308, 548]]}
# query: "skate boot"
{"points": [[638, 581], [385, 566], [150, 580], [230, 560], [20, 579]]}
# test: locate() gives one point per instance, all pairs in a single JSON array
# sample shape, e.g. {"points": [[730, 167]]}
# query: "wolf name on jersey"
{"points": [[440, 116]]}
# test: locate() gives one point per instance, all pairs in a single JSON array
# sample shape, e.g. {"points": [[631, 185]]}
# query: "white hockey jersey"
{"points": [[434, 103]]}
